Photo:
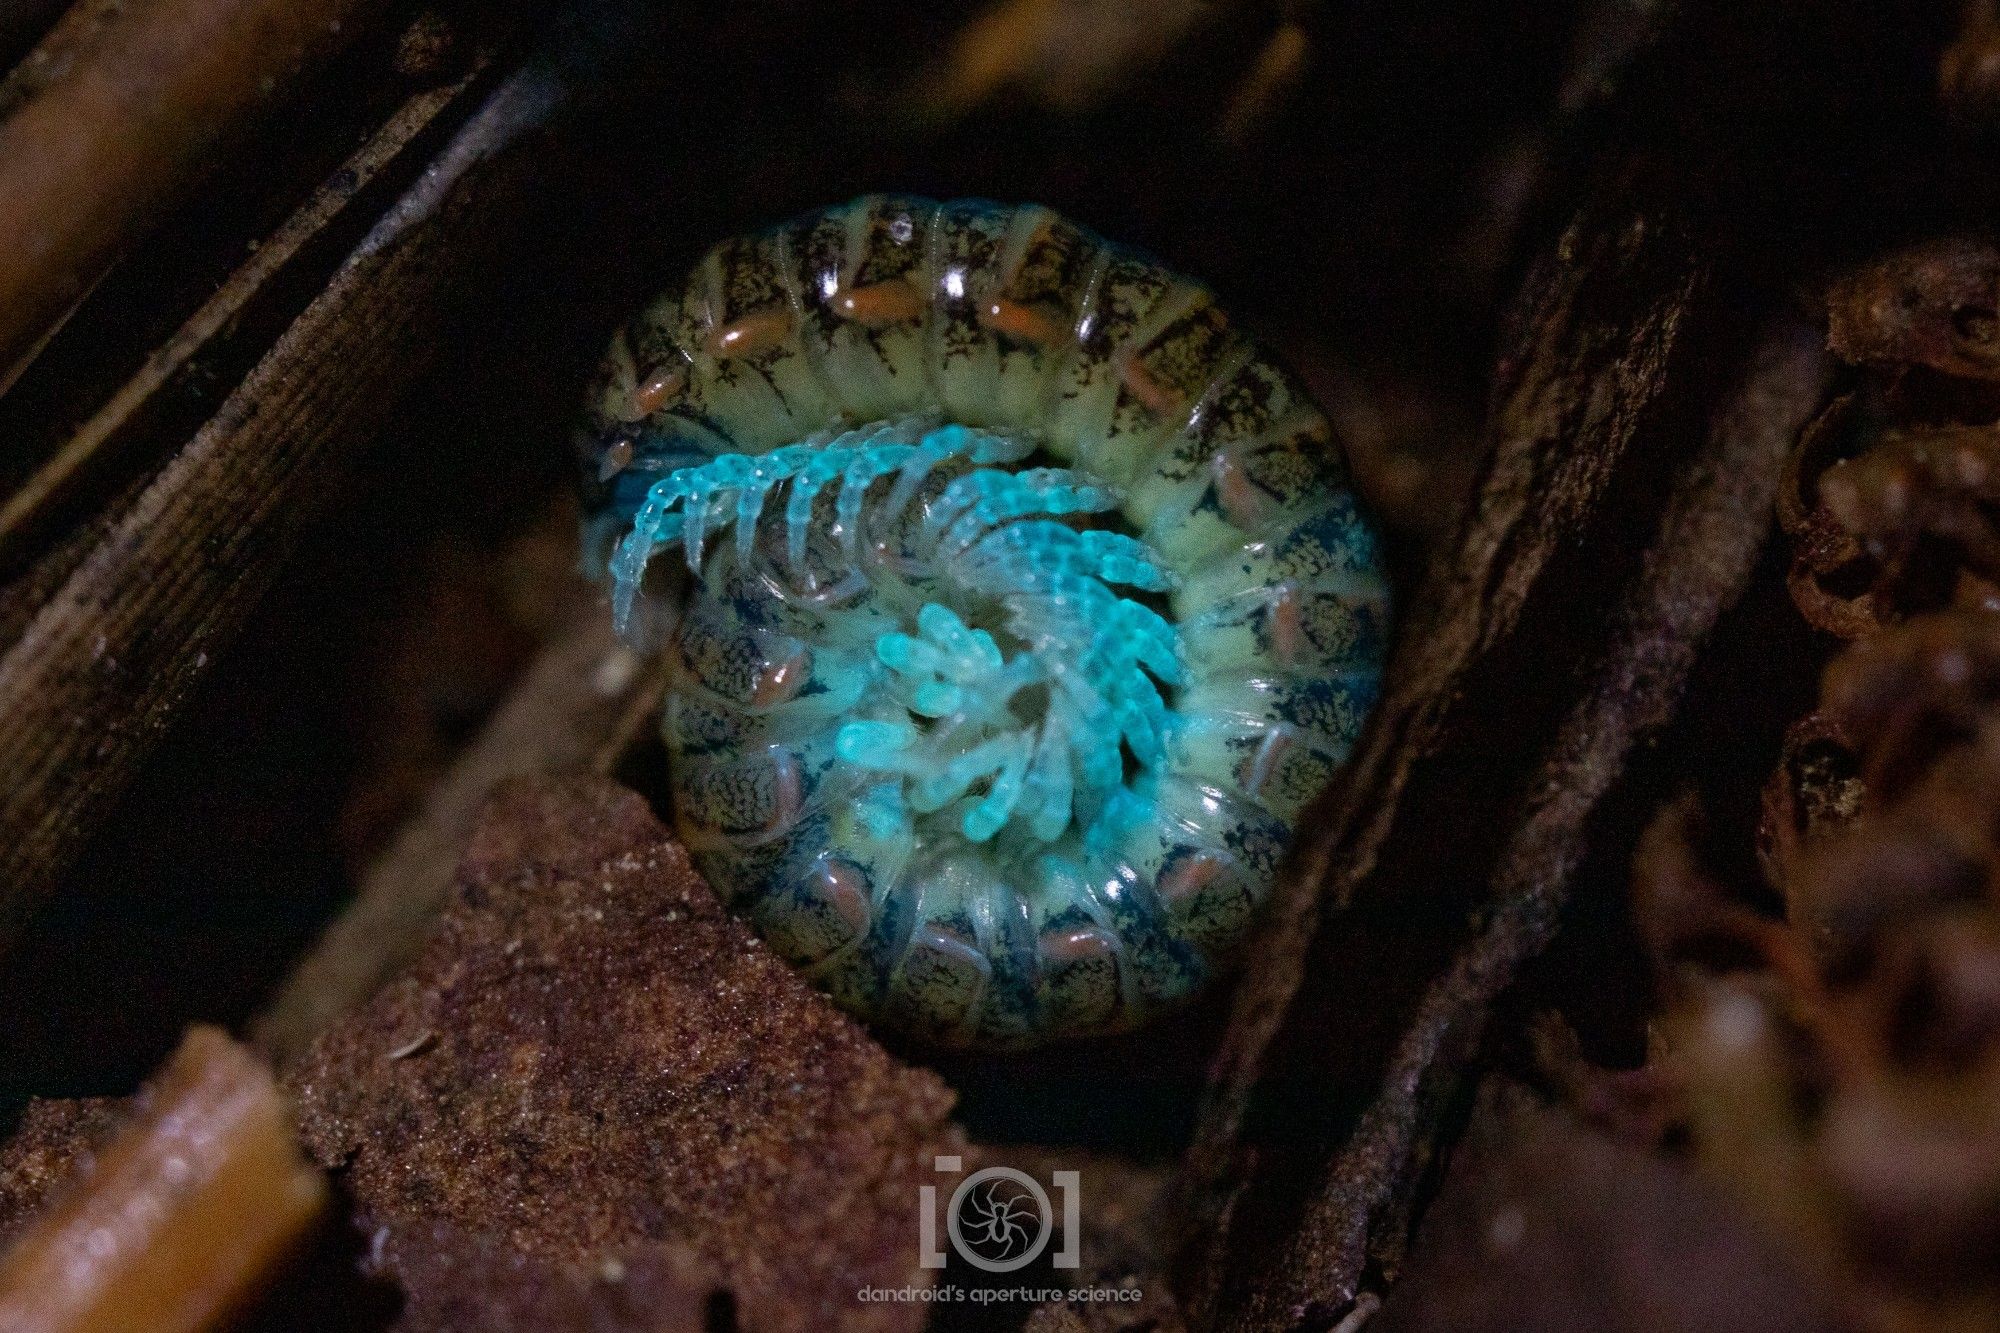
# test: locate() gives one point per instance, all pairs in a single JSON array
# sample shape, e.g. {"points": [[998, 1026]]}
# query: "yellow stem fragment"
{"points": [[183, 1215]]}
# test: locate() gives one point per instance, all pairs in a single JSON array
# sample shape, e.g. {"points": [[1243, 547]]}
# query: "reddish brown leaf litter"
{"points": [[1935, 305], [1813, 791], [1831, 580], [1921, 706], [1889, 499], [1903, 526], [1836, 1076], [1826, 1051], [593, 1071], [456, 1280]]}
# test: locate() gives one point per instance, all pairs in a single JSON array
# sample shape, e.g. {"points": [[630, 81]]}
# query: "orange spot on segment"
{"points": [[1243, 503], [1189, 876], [1023, 323], [1162, 400], [779, 681], [1287, 623], [656, 390], [843, 886], [950, 946], [1077, 946], [880, 304], [616, 459], [756, 332], [1256, 770]]}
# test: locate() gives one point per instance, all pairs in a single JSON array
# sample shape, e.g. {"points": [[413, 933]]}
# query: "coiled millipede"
{"points": [[1020, 605]]}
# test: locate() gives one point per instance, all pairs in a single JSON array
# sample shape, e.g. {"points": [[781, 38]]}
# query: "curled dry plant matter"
{"points": [[1889, 500], [1904, 526], [1918, 704], [1935, 305], [1839, 1069], [1814, 789]]}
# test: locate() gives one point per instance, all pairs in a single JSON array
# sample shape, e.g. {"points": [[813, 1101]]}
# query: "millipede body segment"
{"points": [[1019, 605]]}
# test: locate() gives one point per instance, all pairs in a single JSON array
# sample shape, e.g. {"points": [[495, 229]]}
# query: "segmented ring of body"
{"points": [[1018, 605]]}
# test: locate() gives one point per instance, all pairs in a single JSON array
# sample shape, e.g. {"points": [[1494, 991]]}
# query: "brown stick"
{"points": [[50, 481], [578, 706], [113, 653], [1558, 445], [1717, 518], [122, 125], [183, 1215], [1347, 1038]]}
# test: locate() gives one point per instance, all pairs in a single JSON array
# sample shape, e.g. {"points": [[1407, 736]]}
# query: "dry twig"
{"points": [[119, 124], [184, 1214]]}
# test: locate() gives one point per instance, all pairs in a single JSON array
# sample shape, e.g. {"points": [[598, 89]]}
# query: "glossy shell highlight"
{"points": [[1019, 603]]}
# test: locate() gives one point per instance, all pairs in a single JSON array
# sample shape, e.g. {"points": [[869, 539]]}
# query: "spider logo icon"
{"points": [[1000, 1216], [1000, 1219]]}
